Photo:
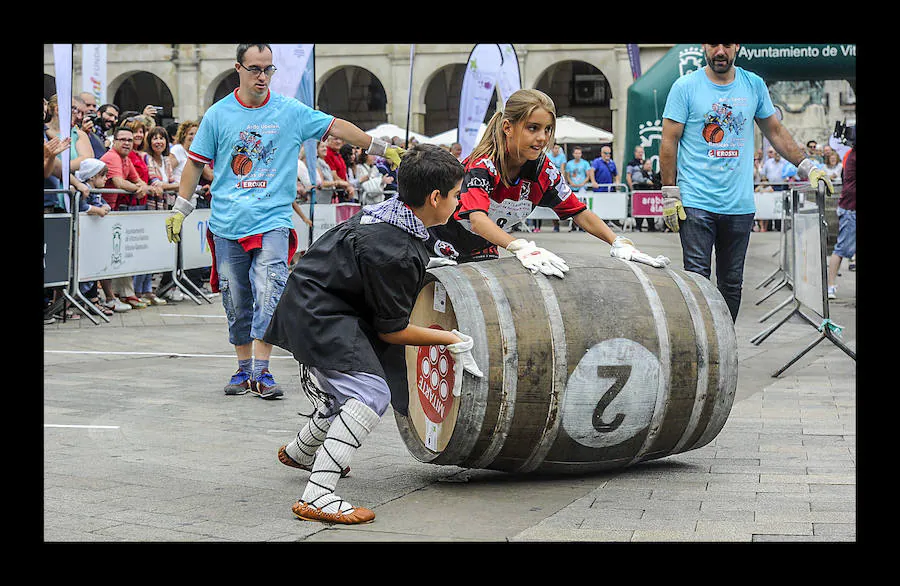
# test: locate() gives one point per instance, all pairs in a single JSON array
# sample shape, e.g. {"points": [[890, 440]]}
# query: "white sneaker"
{"points": [[832, 292], [175, 294], [117, 305]]}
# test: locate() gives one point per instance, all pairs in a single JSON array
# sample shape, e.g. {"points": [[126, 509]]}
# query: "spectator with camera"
{"points": [[104, 121], [88, 122]]}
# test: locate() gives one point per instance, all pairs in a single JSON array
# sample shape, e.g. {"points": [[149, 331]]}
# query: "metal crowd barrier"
{"points": [[608, 205], [804, 263], [80, 248], [624, 204]]}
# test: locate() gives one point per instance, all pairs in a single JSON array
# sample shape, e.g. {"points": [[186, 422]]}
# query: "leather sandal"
{"points": [[357, 516]]}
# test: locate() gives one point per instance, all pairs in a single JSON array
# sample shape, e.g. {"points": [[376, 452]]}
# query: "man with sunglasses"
{"points": [[251, 138]]}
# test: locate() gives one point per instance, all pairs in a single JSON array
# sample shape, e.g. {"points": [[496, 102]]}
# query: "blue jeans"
{"points": [[143, 284], [251, 283], [845, 247], [729, 235]]}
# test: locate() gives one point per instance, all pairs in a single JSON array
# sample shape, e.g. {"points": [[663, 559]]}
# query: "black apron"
{"points": [[354, 282]]}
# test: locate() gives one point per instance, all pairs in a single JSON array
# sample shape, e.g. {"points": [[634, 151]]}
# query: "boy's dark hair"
{"points": [[241, 49], [424, 168]]}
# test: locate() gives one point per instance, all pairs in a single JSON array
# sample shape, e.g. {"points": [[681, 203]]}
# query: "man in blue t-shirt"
{"points": [[251, 138], [605, 171], [558, 157], [706, 163]]}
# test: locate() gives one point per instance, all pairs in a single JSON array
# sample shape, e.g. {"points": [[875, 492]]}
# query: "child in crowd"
{"points": [[344, 315], [93, 174]]}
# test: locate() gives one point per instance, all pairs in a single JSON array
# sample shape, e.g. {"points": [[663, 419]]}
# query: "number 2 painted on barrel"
{"points": [[620, 375], [611, 394]]}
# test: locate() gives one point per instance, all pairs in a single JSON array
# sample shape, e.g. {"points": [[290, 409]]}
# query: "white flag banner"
{"points": [[479, 80], [62, 61], [291, 63], [93, 71], [510, 80]]}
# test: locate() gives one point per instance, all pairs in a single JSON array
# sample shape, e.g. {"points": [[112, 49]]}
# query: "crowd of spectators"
{"points": [[136, 155], [773, 173], [116, 163]]}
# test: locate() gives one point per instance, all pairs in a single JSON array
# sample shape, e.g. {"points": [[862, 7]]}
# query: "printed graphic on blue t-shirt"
{"points": [[715, 154], [577, 170], [254, 153]]}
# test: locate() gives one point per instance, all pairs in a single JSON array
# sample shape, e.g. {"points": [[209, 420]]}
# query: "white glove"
{"points": [[462, 360], [439, 261], [624, 248], [808, 170], [537, 259]]}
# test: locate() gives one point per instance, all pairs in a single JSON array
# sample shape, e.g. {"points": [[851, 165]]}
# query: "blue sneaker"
{"points": [[239, 383], [264, 386]]}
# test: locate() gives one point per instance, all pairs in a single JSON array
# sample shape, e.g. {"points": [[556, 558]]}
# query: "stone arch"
{"points": [[49, 85], [353, 93], [222, 84], [440, 95], [582, 90], [134, 89]]}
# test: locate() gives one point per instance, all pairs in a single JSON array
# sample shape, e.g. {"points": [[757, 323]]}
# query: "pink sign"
{"points": [[646, 204], [344, 211]]}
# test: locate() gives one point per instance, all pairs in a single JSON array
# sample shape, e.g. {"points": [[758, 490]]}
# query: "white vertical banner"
{"points": [[62, 61], [412, 55], [479, 79], [291, 63], [510, 80], [93, 71], [296, 77]]}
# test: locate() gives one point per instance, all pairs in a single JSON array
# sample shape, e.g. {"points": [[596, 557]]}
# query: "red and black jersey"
{"points": [[539, 183]]}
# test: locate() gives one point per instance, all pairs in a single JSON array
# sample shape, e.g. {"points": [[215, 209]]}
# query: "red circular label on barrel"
{"points": [[434, 380]]}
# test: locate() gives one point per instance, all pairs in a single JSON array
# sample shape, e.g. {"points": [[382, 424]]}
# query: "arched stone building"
{"points": [[368, 84]]}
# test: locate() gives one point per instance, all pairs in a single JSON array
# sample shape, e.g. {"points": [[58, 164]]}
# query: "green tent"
{"points": [[792, 62]]}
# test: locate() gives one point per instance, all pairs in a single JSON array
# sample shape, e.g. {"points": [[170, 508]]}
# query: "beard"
{"points": [[721, 65]]}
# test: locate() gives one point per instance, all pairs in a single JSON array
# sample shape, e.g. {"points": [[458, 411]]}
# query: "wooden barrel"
{"points": [[615, 364]]}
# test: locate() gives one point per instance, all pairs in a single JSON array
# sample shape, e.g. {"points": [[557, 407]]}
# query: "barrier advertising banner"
{"points": [[124, 243]]}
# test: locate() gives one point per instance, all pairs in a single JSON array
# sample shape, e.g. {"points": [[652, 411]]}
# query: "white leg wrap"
{"points": [[348, 430], [303, 448]]}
